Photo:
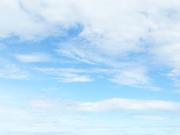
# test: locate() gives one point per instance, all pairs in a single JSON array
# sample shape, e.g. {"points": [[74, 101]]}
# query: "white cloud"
{"points": [[60, 116], [132, 76], [71, 77], [67, 75], [118, 23], [169, 54], [33, 57], [17, 22], [129, 75], [129, 104], [83, 55], [114, 29], [112, 104]]}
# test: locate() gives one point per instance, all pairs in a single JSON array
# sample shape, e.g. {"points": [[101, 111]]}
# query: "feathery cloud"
{"points": [[33, 57]]}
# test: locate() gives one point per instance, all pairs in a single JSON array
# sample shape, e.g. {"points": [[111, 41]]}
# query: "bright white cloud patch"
{"points": [[17, 22]]}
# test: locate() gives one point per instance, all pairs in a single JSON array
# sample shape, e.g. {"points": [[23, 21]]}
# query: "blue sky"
{"points": [[75, 67]]}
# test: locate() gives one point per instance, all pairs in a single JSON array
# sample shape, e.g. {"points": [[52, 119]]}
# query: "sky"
{"points": [[89, 67]]}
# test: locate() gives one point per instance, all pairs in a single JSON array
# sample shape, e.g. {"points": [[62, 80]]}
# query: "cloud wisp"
{"points": [[112, 104], [129, 104], [32, 58]]}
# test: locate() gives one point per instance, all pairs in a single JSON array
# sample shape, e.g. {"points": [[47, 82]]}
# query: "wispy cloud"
{"points": [[132, 76], [32, 57], [67, 75], [129, 75], [129, 104], [112, 104]]}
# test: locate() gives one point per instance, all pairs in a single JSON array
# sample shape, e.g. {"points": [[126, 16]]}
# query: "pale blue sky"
{"points": [[83, 67]]}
